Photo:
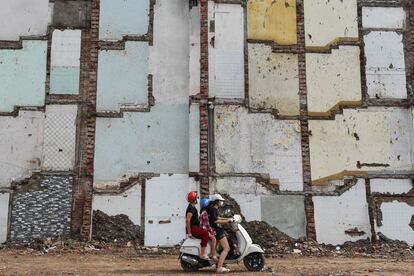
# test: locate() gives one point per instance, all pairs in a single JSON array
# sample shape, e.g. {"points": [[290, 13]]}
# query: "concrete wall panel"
{"points": [[238, 185], [326, 21], [333, 78], [60, 137], [194, 51], [257, 143], [123, 77], [71, 13], [21, 146], [65, 62], [273, 80], [368, 136], [165, 212], [155, 141], [127, 203], [23, 18], [287, 213], [391, 186], [226, 55], [118, 18], [4, 216], [194, 138], [396, 218], [169, 61], [385, 65], [335, 215], [272, 20], [381, 17], [23, 72]]}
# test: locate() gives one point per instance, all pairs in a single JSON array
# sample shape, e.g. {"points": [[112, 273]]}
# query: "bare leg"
{"points": [[203, 254], [213, 247], [226, 248]]}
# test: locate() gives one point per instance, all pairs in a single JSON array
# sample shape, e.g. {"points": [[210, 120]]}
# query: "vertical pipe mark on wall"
{"points": [[304, 123], [371, 213], [143, 190], [204, 126]]}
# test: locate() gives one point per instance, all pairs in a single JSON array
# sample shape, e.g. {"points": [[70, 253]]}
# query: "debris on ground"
{"points": [[115, 229]]}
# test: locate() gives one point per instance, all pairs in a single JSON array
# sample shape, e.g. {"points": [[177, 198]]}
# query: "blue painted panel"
{"points": [[155, 141], [23, 76], [64, 80], [123, 17], [123, 77]]}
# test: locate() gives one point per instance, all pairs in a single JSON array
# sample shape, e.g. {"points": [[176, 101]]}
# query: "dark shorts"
{"points": [[220, 233]]}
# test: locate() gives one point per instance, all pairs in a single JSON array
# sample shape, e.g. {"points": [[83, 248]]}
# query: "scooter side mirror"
{"points": [[227, 212]]}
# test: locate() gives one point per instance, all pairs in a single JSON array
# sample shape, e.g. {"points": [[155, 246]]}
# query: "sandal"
{"points": [[215, 259], [223, 270], [205, 258]]}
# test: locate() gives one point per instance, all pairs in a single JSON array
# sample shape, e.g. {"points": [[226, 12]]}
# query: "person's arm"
{"points": [[223, 220], [188, 224]]}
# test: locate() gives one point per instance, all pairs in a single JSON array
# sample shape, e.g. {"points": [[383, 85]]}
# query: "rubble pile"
{"points": [[115, 229]]}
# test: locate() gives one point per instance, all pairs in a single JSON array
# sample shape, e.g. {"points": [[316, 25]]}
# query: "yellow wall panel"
{"points": [[273, 20]]}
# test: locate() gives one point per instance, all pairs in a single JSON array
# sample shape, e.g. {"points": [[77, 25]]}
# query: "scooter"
{"points": [[251, 254]]}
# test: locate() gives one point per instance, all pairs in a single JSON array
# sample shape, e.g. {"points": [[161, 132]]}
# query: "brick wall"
{"points": [[82, 190], [204, 170], [304, 124]]}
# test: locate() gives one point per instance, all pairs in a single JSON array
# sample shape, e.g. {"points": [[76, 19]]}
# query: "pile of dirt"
{"points": [[115, 229], [265, 235]]}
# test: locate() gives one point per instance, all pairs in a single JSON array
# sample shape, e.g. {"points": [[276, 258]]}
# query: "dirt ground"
{"points": [[22, 262]]}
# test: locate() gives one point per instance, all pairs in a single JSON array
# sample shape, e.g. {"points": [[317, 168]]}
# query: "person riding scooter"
{"points": [[193, 224], [205, 224], [217, 201]]}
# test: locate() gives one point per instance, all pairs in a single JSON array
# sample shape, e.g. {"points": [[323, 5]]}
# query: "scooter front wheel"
{"points": [[254, 261]]}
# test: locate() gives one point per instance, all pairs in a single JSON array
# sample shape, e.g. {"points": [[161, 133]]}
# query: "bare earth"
{"points": [[109, 263]]}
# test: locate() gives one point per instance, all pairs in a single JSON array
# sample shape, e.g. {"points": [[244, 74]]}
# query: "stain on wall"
{"points": [[272, 20], [23, 71], [257, 143], [23, 18], [372, 139], [123, 77], [155, 141], [4, 216], [385, 65], [226, 52], [396, 218], [335, 215], [127, 203], [328, 79], [21, 146], [273, 80], [65, 62], [42, 213], [165, 212], [327, 22], [122, 17]]}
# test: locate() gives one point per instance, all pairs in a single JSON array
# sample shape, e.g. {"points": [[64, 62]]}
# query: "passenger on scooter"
{"points": [[193, 224], [205, 224], [216, 201]]}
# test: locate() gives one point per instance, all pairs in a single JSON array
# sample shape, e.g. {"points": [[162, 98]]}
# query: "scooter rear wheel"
{"points": [[187, 267], [254, 261]]}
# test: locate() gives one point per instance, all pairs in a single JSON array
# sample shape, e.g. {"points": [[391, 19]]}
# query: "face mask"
{"points": [[221, 203]]}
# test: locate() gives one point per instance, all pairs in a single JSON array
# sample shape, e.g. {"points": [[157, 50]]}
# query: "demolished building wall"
{"points": [[300, 110]]}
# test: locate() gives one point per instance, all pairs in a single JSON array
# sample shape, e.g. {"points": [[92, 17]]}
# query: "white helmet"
{"points": [[216, 197]]}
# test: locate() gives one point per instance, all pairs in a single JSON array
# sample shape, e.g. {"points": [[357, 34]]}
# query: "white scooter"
{"points": [[251, 254]]}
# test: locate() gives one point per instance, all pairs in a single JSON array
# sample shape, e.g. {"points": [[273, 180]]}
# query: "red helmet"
{"points": [[192, 196]]}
